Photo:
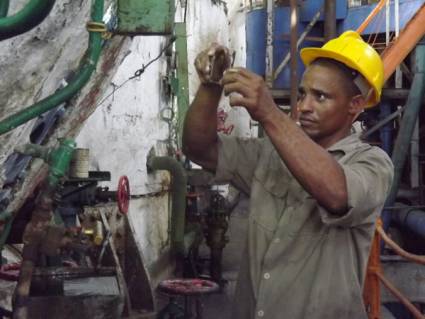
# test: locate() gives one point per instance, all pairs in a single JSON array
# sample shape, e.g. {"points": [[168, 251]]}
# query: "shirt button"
{"points": [[277, 240], [260, 313], [266, 275]]}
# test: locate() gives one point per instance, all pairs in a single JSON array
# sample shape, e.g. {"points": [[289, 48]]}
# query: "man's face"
{"points": [[323, 105]]}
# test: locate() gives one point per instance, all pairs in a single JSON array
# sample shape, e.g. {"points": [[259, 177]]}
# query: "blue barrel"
{"points": [[256, 31]]}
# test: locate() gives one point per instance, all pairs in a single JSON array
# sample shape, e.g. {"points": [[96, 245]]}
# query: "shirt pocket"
{"points": [[268, 195]]}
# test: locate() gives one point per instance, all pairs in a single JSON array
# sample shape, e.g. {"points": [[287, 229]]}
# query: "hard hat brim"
{"points": [[308, 55]]}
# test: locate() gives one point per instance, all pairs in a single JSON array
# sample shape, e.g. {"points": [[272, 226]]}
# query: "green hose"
{"points": [[178, 193], [63, 95], [4, 8], [26, 19]]}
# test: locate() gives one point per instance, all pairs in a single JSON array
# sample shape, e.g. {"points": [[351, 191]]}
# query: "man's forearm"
{"points": [[200, 127], [314, 168]]}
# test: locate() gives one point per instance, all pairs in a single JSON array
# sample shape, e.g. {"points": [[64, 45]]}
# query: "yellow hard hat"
{"points": [[350, 49]]}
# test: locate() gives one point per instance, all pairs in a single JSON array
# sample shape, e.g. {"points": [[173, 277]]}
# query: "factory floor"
{"points": [[219, 305]]}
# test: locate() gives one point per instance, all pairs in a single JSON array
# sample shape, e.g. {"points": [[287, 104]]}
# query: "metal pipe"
{"points": [[398, 74], [397, 249], [330, 19], [371, 15], [178, 193], [387, 130], [26, 19], [294, 58], [63, 95], [300, 40], [401, 47], [411, 218], [4, 8], [413, 105], [382, 122], [387, 22], [269, 43]]}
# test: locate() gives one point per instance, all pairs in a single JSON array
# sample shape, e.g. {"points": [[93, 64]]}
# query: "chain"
{"points": [[160, 193]]}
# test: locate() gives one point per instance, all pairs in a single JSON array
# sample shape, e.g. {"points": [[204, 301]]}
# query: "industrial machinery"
{"points": [[71, 262], [79, 257]]}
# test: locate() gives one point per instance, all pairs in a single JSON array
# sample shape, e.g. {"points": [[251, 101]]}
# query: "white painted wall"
{"points": [[124, 128]]}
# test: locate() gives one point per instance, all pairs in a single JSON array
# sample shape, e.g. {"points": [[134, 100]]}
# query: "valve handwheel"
{"points": [[123, 194]]}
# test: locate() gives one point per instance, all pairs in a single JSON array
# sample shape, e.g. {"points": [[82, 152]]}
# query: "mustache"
{"points": [[306, 118]]}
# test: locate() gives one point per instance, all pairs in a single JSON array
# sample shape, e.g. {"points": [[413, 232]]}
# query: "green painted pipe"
{"points": [[410, 116], [26, 19], [63, 95], [5, 233], [4, 8], [178, 197]]}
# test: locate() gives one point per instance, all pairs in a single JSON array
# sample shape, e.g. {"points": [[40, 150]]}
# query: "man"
{"points": [[315, 189]]}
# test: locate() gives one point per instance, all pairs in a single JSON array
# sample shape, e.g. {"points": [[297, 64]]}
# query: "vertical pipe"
{"points": [[330, 19], [387, 23], [414, 157], [4, 8], [387, 130], [300, 40], [410, 116], [269, 43], [398, 75], [386, 134], [294, 56], [372, 289], [183, 78]]}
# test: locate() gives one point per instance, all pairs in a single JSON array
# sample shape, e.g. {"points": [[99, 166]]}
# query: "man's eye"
{"points": [[321, 97], [300, 96]]}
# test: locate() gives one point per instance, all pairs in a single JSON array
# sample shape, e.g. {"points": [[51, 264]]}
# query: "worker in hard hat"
{"points": [[315, 188]]}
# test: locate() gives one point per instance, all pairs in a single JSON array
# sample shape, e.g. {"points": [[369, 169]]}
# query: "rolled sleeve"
{"points": [[237, 160], [368, 180]]}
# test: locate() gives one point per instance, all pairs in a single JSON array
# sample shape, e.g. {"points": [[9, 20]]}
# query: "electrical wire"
{"points": [[138, 72]]}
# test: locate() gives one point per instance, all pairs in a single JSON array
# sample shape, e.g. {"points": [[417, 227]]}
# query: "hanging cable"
{"points": [[138, 72]]}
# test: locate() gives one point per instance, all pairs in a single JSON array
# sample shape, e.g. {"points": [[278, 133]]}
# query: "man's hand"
{"points": [[212, 62], [253, 93]]}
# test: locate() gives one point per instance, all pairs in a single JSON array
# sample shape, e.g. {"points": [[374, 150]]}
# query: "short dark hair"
{"points": [[348, 74]]}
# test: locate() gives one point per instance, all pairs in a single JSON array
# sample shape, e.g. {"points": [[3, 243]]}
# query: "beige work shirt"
{"points": [[300, 260]]}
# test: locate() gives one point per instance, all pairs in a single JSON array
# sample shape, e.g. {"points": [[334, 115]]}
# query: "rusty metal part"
{"points": [[371, 15], [372, 290], [217, 222], [212, 62], [106, 238], [400, 251], [330, 20]]}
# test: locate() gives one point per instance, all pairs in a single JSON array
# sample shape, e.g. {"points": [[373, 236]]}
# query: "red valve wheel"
{"points": [[123, 194]]}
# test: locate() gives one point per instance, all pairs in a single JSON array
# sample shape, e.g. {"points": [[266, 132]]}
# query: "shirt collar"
{"points": [[346, 144]]}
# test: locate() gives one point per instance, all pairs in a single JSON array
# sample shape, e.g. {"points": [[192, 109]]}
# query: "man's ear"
{"points": [[357, 105]]}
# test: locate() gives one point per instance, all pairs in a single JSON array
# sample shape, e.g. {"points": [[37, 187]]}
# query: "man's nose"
{"points": [[305, 104]]}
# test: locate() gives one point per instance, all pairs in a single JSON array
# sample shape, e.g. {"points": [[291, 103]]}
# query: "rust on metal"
{"points": [[404, 44]]}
